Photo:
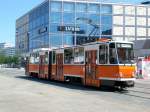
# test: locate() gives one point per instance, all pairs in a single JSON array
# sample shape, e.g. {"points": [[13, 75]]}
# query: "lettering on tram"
{"points": [[108, 63]]}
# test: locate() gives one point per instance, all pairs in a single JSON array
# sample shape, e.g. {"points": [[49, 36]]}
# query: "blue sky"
{"points": [[10, 10]]}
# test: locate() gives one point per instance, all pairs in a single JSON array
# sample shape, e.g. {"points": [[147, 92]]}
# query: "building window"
{"points": [[68, 40], [56, 6], [141, 31], [94, 8], [141, 11], [81, 7], [141, 21], [106, 9], [129, 20], [130, 31], [69, 7], [129, 10], [95, 18], [117, 9], [106, 19], [54, 28], [56, 17], [118, 20], [56, 40], [117, 30], [69, 18], [106, 29]]}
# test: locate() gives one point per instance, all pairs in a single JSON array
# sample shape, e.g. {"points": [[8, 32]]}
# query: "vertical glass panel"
{"points": [[69, 18], [69, 7], [130, 39], [148, 21], [117, 9], [55, 17], [130, 31], [81, 7], [95, 18], [149, 32], [94, 8], [106, 30], [56, 6], [79, 55], [141, 31], [141, 11], [118, 20], [118, 38], [130, 10], [54, 28], [106, 9], [56, 40], [141, 21], [68, 40], [83, 29], [117, 30], [81, 18], [129, 20], [105, 19], [92, 31], [148, 11]]}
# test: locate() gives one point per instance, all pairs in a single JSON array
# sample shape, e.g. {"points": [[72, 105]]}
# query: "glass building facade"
{"points": [[61, 23]]}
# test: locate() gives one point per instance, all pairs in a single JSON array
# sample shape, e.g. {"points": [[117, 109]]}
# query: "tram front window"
{"points": [[125, 53], [112, 54]]}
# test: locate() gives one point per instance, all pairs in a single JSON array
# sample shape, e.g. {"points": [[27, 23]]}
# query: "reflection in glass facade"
{"points": [[57, 23]]}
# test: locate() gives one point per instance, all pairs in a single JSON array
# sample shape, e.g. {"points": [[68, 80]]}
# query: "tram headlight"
{"points": [[120, 74], [133, 74]]}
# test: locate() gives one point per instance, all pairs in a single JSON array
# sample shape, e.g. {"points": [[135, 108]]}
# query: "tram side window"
{"points": [[36, 58], [68, 56], [112, 54], [31, 60], [46, 58], [103, 54], [54, 57], [79, 55]]}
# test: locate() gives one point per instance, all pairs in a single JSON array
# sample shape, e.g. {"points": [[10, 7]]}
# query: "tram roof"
{"points": [[91, 43]]}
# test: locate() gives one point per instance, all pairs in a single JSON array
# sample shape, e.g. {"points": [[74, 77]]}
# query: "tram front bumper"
{"points": [[120, 82]]}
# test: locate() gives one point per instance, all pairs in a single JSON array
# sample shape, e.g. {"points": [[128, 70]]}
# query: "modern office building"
{"points": [[5, 45], [10, 51], [7, 49], [60, 23]]}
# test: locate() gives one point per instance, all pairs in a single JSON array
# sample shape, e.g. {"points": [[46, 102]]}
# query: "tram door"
{"points": [[59, 67], [41, 66], [90, 66]]}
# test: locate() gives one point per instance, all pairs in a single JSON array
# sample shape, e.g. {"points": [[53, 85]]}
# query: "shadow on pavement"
{"points": [[69, 85]]}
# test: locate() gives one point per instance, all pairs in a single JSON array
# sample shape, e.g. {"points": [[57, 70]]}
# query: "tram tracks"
{"points": [[138, 92]]}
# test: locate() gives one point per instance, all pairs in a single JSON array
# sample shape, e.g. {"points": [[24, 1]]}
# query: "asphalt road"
{"points": [[19, 93]]}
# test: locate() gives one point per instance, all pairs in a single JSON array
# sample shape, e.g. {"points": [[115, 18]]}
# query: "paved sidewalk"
{"points": [[143, 81]]}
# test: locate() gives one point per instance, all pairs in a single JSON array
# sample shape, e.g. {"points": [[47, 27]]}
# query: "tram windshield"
{"points": [[125, 53]]}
